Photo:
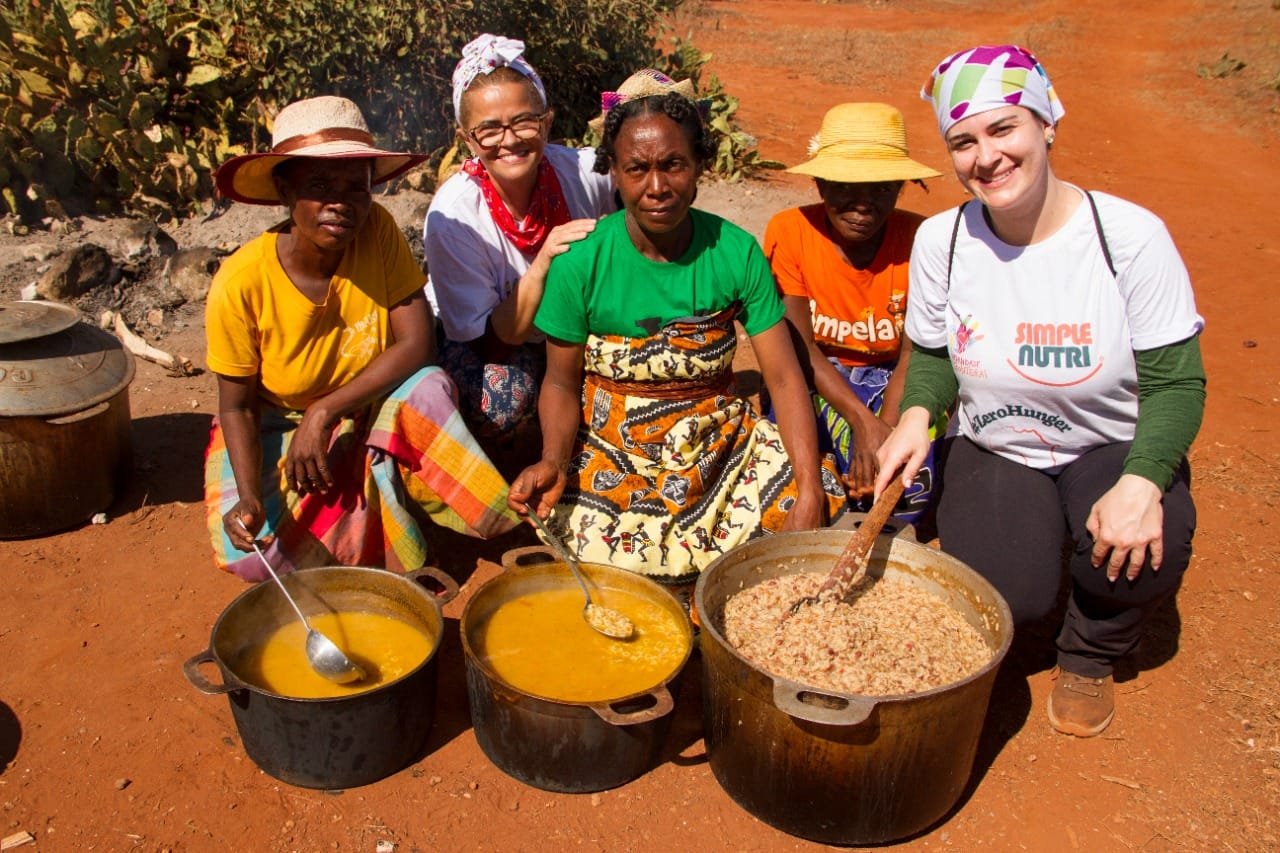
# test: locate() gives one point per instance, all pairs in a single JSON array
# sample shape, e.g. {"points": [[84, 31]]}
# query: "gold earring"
{"points": [[1048, 138]]}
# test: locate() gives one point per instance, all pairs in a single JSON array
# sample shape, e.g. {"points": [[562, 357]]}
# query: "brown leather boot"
{"points": [[1079, 705]]}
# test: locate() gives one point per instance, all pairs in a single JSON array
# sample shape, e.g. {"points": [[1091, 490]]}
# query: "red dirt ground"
{"points": [[95, 622]]}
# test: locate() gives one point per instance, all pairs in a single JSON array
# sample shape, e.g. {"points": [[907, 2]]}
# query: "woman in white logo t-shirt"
{"points": [[1064, 324]]}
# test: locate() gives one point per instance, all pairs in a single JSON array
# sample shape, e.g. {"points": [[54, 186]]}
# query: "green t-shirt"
{"points": [[602, 285]]}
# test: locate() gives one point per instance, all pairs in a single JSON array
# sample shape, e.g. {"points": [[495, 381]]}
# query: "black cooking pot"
{"points": [[337, 742], [571, 747], [842, 768]]}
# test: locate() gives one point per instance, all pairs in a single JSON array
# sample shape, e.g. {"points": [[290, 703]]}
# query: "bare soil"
{"points": [[105, 746]]}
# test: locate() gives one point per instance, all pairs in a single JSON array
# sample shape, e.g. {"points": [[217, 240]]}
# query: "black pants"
{"points": [[1008, 522]]}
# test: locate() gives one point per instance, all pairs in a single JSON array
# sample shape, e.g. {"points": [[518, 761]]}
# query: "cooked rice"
{"points": [[888, 638], [609, 622]]}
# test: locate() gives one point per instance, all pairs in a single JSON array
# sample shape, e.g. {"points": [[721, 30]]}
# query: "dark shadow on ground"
{"points": [[458, 554], [10, 735], [1159, 642], [453, 716], [686, 722], [1010, 707], [168, 461]]}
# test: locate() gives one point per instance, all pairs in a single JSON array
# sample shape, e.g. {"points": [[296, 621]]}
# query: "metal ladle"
{"points": [[605, 620], [323, 654]]}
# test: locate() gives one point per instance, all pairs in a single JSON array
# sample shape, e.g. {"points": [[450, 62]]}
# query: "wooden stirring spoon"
{"points": [[851, 565]]}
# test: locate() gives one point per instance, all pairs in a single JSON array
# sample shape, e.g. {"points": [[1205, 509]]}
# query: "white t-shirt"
{"points": [[471, 265], [1042, 337]]}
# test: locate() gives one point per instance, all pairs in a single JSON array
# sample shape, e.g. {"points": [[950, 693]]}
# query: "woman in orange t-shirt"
{"points": [[841, 265]]}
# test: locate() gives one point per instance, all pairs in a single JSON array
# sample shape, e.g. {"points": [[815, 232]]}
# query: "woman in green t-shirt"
{"points": [[657, 466]]}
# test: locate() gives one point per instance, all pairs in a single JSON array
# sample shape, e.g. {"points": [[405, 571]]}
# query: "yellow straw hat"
{"points": [[642, 84], [326, 126], [862, 143]]}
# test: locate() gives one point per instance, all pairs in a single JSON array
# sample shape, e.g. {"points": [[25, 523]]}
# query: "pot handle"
{"points": [[450, 585], [893, 528], [814, 706], [663, 703], [198, 681], [519, 558], [76, 417]]}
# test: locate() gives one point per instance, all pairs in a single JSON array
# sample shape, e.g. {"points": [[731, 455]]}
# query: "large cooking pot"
{"points": [[337, 742], [571, 747], [841, 768], [65, 448]]}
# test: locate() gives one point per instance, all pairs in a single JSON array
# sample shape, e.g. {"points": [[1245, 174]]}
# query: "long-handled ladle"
{"points": [[323, 654], [607, 621]]}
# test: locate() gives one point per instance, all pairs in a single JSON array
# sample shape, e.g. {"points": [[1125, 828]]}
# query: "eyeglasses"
{"points": [[490, 134]]}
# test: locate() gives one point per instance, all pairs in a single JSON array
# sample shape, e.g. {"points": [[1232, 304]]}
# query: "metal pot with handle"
{"points": [[572, 747], [842, 768], [65, 429], [339, 742]]}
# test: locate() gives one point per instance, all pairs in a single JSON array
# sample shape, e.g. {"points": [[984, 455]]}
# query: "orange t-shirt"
{"points": [[857, 314], [258, 322]]}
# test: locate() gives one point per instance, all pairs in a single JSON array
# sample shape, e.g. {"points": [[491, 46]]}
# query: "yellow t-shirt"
{"points": [[258, 322]]}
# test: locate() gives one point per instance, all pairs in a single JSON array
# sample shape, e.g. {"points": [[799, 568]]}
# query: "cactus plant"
{"points": [[131, 104]]}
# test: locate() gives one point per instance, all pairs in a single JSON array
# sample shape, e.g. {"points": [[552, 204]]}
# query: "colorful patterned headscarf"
{"points": [[986, 78], [482, 55]]}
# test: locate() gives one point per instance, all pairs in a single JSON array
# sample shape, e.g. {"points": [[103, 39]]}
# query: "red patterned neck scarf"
{"points": [[547, 207]]}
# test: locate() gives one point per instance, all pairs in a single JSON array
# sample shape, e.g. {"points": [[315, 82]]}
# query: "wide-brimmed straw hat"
{"points": [[328, 127], [642, 84], [862, 143]]}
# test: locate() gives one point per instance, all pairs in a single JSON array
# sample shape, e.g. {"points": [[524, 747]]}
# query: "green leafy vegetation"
{"points": [[131, 104]]}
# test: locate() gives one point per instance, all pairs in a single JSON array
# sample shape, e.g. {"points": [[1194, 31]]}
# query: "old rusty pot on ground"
{"points": [[65, 430], [833, 767]]}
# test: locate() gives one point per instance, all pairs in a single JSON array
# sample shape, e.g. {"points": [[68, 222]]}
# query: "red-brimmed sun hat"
{"points": [[328, 127]]}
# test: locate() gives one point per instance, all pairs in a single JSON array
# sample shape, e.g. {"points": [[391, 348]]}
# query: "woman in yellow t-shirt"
{"points": [[333, 437], [841, 265]]}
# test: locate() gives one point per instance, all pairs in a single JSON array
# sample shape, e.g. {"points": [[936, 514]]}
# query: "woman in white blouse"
{"points": [[493, 228]]}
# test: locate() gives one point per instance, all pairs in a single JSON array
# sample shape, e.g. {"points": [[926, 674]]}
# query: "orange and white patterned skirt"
{"points": [[669, 468]]}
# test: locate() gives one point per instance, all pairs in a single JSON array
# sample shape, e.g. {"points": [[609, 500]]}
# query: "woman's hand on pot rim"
{"points": [[539, 487], [1128, 522], [243, 521]]}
